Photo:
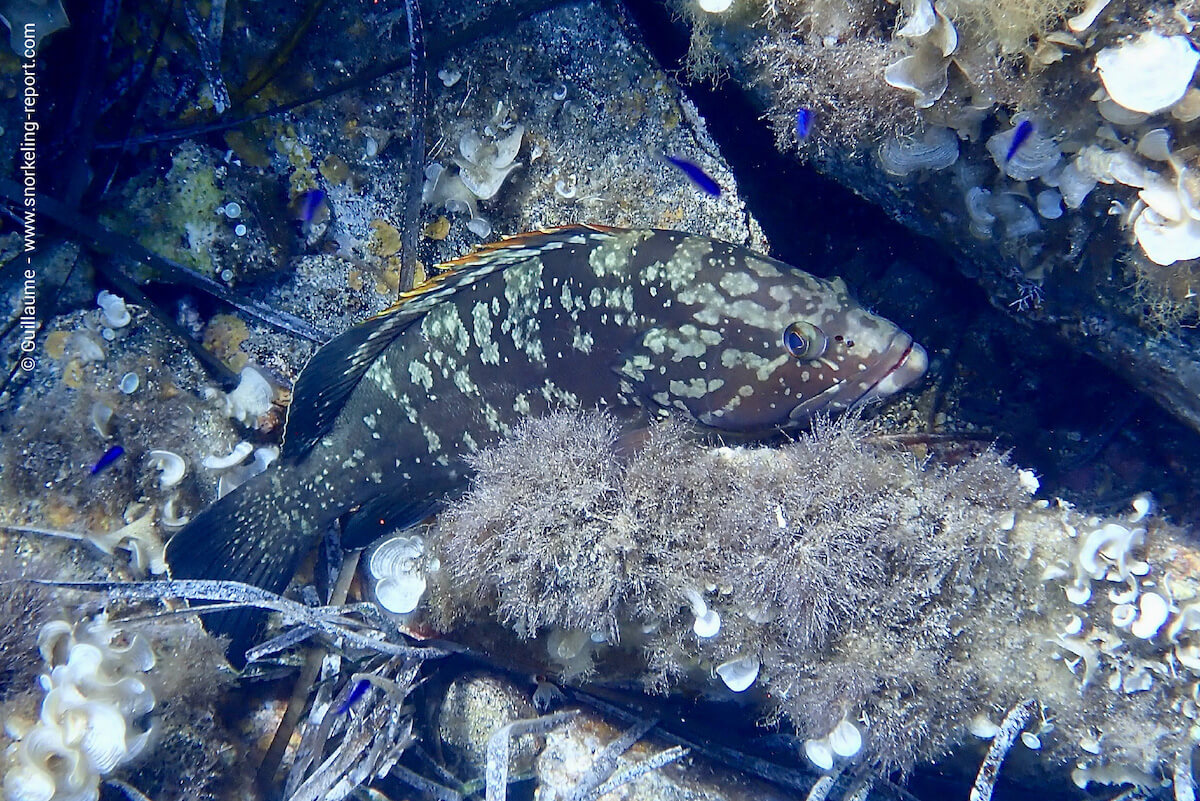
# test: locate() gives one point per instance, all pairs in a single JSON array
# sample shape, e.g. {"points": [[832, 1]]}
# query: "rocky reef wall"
{"points": [[1050, 146]]}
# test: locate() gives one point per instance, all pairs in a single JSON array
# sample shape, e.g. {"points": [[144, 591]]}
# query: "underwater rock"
{"points": [[889, 604], [1127, 273], [473, 708], [571, 751]]}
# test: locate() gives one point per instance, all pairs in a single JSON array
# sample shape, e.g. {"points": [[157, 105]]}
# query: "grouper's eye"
{"points": [[804, 340]]}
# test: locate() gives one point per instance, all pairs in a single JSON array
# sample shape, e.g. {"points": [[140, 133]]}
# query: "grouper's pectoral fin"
{"points": [[257, 535], [332, 374]]}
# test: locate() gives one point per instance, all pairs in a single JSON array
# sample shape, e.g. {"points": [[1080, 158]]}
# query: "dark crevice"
{"points": [[1062, 413], [808, 217]]}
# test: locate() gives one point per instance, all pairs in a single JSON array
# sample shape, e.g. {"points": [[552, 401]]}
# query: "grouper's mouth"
{"points": [[902, 363], [908, 362]]}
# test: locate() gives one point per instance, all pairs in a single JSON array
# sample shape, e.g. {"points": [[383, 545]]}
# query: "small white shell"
{"points": [[1111, 540], [113, 309], [845, 739], [819, 753], [1123, 615], [982, 727], [937, 149], [1036, 156], [1152, 614], [251, 398], [483, 181], [402, 593], [1074, 185], [480, 227], [395, 555], [1165, 241], [1079, 592], [738, 674], [103, 743], [1155, 145], [1188, 108], [923, 74], [1084, 19], [1049, 204], [172, 465], [264, 457], [1142, 505], [1016, 217], [400, 582], [508, 147], [707, 625], [171, 516], [1150, 73], [234, 457], [1117, 114], [1163, 197], [102, 415]]}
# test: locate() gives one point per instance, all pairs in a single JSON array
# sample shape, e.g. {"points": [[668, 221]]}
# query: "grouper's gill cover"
{"points": [[576, 317]]}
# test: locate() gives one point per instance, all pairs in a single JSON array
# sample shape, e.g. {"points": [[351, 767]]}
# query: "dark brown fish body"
{"points": [[578, 317]]}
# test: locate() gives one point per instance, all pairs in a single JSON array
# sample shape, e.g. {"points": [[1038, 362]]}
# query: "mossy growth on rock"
{"points": [[838, 565], [883, 609]]}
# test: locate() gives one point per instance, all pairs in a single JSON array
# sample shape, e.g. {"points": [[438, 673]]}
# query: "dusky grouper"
{"points": [[576, 317]]}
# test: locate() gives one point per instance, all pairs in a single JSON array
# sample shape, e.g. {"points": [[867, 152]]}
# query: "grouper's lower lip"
{"points": [[908, 362]]}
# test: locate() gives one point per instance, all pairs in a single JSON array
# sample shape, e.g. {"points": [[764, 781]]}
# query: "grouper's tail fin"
{"points": [[257, 534]]}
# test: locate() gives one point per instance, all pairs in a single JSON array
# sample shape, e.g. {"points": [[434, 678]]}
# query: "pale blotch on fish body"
{"points": [[580, 317]]}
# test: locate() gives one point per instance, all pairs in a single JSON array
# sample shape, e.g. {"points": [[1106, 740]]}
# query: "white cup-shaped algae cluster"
{"points": [[397, 569], [935, 149], [845, 741], [929, 39], [233, 468], [1132, 628], [251, 398], [113, 312], [706, 622], [86, 729], [1140, 80], [1143, 76], [483, 165]]}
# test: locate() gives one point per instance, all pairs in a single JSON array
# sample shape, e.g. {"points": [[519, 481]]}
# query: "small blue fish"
{"points": [[804, 123], [308, 203], [1022, 133], [355, 693], [696, 175], [111, 455]]}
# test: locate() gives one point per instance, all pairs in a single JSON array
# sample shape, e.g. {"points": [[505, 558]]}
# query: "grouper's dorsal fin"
{"points": [[335, 370], [487, 259]]}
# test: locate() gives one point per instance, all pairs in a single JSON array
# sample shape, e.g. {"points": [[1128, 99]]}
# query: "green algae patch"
{"points": [[176, 215]]}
